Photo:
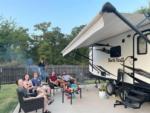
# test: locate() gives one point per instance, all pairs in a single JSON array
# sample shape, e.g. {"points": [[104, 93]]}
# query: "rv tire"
{"points": [[110, 88], [123, 92]]}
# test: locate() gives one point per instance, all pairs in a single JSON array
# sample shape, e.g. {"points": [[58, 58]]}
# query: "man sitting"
{"points": [[23, 91], [66, 77], [55, 81], [70, 82]]}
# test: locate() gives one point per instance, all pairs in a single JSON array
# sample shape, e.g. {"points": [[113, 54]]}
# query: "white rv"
{"points": [[119, 51]]}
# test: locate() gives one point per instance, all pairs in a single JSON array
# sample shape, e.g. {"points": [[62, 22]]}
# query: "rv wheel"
{"points": [[110, 88], [123, 93]]}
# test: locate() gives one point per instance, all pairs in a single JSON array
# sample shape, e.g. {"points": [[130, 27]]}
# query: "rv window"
{"points": [[115, 51], [141, 46]]}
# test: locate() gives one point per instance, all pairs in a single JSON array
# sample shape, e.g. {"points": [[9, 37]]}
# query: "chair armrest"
{"points": [[44, 84], [34, 99], [30, 94]]}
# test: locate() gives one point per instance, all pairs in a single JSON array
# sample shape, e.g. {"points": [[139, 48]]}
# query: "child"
{"points": [[72, 88]]}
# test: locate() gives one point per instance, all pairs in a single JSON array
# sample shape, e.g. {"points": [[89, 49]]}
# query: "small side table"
{"points": [[70, 93]]}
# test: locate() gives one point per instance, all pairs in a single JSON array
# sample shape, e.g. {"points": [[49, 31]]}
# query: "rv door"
{"points": [[142, 53]]}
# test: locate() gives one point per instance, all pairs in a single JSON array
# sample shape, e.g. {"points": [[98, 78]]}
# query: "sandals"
{"points": [[50, 101], [47, 111]]}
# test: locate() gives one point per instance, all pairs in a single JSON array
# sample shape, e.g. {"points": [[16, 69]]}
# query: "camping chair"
{"points": [[53, 86], [30, 104]]}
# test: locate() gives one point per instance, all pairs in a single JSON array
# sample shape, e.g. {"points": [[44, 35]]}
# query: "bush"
{"points": [[102, 87]]}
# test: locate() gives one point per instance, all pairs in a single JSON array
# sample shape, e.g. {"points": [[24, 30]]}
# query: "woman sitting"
{"points": [[27, 83]]}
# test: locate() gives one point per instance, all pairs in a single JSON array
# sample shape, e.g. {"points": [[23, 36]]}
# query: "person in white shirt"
{"points": [[66, 77]]}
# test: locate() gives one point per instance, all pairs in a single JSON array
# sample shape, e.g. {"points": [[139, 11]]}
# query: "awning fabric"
{"points": [[103, 26]]}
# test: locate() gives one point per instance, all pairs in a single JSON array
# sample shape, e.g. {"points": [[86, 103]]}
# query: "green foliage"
{"points": [[75, 31], [73, 58], [49, 45], [144, 9], [13, 41], [42, 26], [16, 45], [102, 87]]}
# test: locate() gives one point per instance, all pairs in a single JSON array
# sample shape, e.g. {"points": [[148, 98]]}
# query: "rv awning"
{"points": [[103, 26]]}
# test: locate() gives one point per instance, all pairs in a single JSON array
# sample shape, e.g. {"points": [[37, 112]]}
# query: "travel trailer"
{"points": [[119, 52]]}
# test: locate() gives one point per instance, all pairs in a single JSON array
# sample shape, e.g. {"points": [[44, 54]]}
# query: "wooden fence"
{"points": [[11, 74]]}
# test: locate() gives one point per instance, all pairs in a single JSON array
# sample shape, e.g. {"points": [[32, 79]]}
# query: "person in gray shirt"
{"points": [[24, 93]]}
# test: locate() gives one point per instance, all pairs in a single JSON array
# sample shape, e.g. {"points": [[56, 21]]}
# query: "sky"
{"points": [[65, 14]]}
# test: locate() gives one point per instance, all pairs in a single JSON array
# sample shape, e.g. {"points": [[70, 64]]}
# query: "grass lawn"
{"points": [[89, 82], [8, 98]]}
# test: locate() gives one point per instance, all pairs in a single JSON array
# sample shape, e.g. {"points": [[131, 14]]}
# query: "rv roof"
{"points": [[103, 26]]}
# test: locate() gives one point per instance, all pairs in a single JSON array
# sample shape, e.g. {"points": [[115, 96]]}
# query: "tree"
{"points": [[144, 9], [44, 51], [43, 27], [50, 43], [73, 58], [13, 41], [75, 31]]}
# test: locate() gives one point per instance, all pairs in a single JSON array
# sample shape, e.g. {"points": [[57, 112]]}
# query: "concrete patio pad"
{"points": [[90, 103]]}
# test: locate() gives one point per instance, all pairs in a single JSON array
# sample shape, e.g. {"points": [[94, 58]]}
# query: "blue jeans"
{"points": [[44, 74]]}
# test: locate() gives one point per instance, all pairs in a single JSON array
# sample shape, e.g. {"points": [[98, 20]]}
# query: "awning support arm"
{"points": [[98, 44], [109, 8], [83, 55]]}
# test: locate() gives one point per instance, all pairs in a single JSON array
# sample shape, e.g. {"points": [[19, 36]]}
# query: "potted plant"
{"points": [[102, 91]]}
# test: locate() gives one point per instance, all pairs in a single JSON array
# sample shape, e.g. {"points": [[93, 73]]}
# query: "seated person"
{"points": [[72, 87], [27, 95], [66, 77], [27, 83], [36, 82], [54, 80]]}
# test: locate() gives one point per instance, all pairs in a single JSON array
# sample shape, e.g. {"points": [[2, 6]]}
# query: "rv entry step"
{"points": [[134, 98], [137, 92], [127, 104]]}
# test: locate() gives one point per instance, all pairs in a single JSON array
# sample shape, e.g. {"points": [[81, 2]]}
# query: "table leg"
{"points": [[62, 95], [71, 99]]}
